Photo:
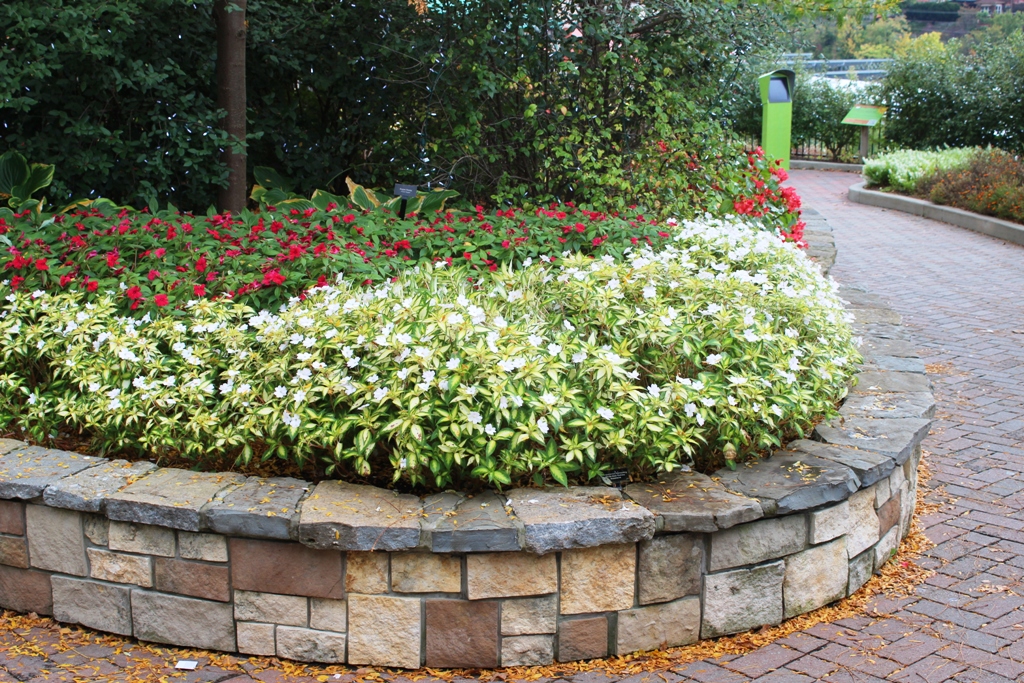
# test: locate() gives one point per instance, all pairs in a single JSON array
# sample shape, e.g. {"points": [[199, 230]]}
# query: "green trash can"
{"points": [[777, 113]]}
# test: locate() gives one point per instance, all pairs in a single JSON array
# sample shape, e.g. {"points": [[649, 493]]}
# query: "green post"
{"points": [[777, 113]]}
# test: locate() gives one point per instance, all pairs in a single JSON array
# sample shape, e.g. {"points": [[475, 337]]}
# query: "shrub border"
{"points": [[280, 567], [993, 227]]}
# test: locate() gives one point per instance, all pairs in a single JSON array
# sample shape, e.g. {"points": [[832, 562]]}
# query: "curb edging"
{"points": [[993, 227]]}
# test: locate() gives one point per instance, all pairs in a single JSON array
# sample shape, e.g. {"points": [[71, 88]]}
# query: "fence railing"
{"points": [[815, 150]]}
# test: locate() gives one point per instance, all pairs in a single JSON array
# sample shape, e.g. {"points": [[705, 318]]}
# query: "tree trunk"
{"points": [[230, 18]]}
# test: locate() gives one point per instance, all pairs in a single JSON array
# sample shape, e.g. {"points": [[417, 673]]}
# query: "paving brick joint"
{"points": [[953, 290]]}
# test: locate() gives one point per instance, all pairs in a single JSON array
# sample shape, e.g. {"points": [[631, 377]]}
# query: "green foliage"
{"points": [[939, 95], [19, 180], [724, 341], [904, 169]]}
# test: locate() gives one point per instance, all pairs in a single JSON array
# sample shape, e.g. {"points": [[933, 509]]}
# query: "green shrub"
{"points": [[726, 338], [903, 170], [940, 95]]}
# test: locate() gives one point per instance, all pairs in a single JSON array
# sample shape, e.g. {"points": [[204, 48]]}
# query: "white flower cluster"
{"points": [[727, 336]]}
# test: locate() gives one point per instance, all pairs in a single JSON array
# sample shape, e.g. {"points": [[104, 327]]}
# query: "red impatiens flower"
{"points": [[160, 299], [201, 264], [91, 285], [350, 218], [153, 274], [41, 264], [199, 290], [133, 292]]}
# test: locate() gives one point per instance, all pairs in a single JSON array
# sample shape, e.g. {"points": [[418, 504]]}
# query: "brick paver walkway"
{"points": [[962, 295]]}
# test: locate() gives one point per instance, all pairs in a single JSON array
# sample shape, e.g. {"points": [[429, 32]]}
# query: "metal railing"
{"points": [[815, 150]]}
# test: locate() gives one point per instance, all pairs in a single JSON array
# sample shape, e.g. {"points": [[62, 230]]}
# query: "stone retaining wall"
{"points": [[344, 573]]}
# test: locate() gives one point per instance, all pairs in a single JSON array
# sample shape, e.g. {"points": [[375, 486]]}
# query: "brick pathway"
{"points": [[962, 295]]}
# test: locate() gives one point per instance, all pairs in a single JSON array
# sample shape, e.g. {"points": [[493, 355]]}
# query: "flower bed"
{"points": [[725, 341], [989, 182]]}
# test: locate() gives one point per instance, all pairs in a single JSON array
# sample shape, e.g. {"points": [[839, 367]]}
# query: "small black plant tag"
{"points": [[616, 478]]}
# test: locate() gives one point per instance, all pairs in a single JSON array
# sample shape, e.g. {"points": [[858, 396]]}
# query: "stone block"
{"points": [[758, 541], [184, 622], [119, 568], [87, 491], [256, 639], [886, 547], [528, 616], [55, 540], [871, 346], [884, 381], [579, 517], [585, 638], [290, 610], [14, 551], [882, 490], [328, 615], [366, 573], [7, 445], [880, 314], [141, 538], [688, 501], [287, 568], [197, 579], [425, 573], [508, 575], [895, 437], [259, 508], [792, 480], [863, 529], [815, 577], [536, 650], [97, 529], [742, 599], [25, 471], [25, 590], [861, 567], [460, 524], [670, 567], [657, 627], [913, 404], [346, 516], [384, 631], [170, 497], [205, 547], [830, 522], [462, 634], [307, 645], [897, 478], [889, 514], [598, 579], [870, 467], [92, 604], [896, 363], [908, 500], [12, 517]]}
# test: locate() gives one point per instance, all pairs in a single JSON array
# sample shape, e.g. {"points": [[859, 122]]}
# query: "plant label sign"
{"points": [[406, 192]]}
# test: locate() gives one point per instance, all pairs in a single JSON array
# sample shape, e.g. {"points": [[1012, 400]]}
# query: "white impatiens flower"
{"points": [[650, 292], [280, 392], [489, 429], [605, 413], [379, 394], [452, 364], [474, 417], [299, 396], [293, 421], [579, 356], [554, 349], [542, 425], [714, 359], [94, 386], [549, 399], [654, 390], [535, 340]]}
